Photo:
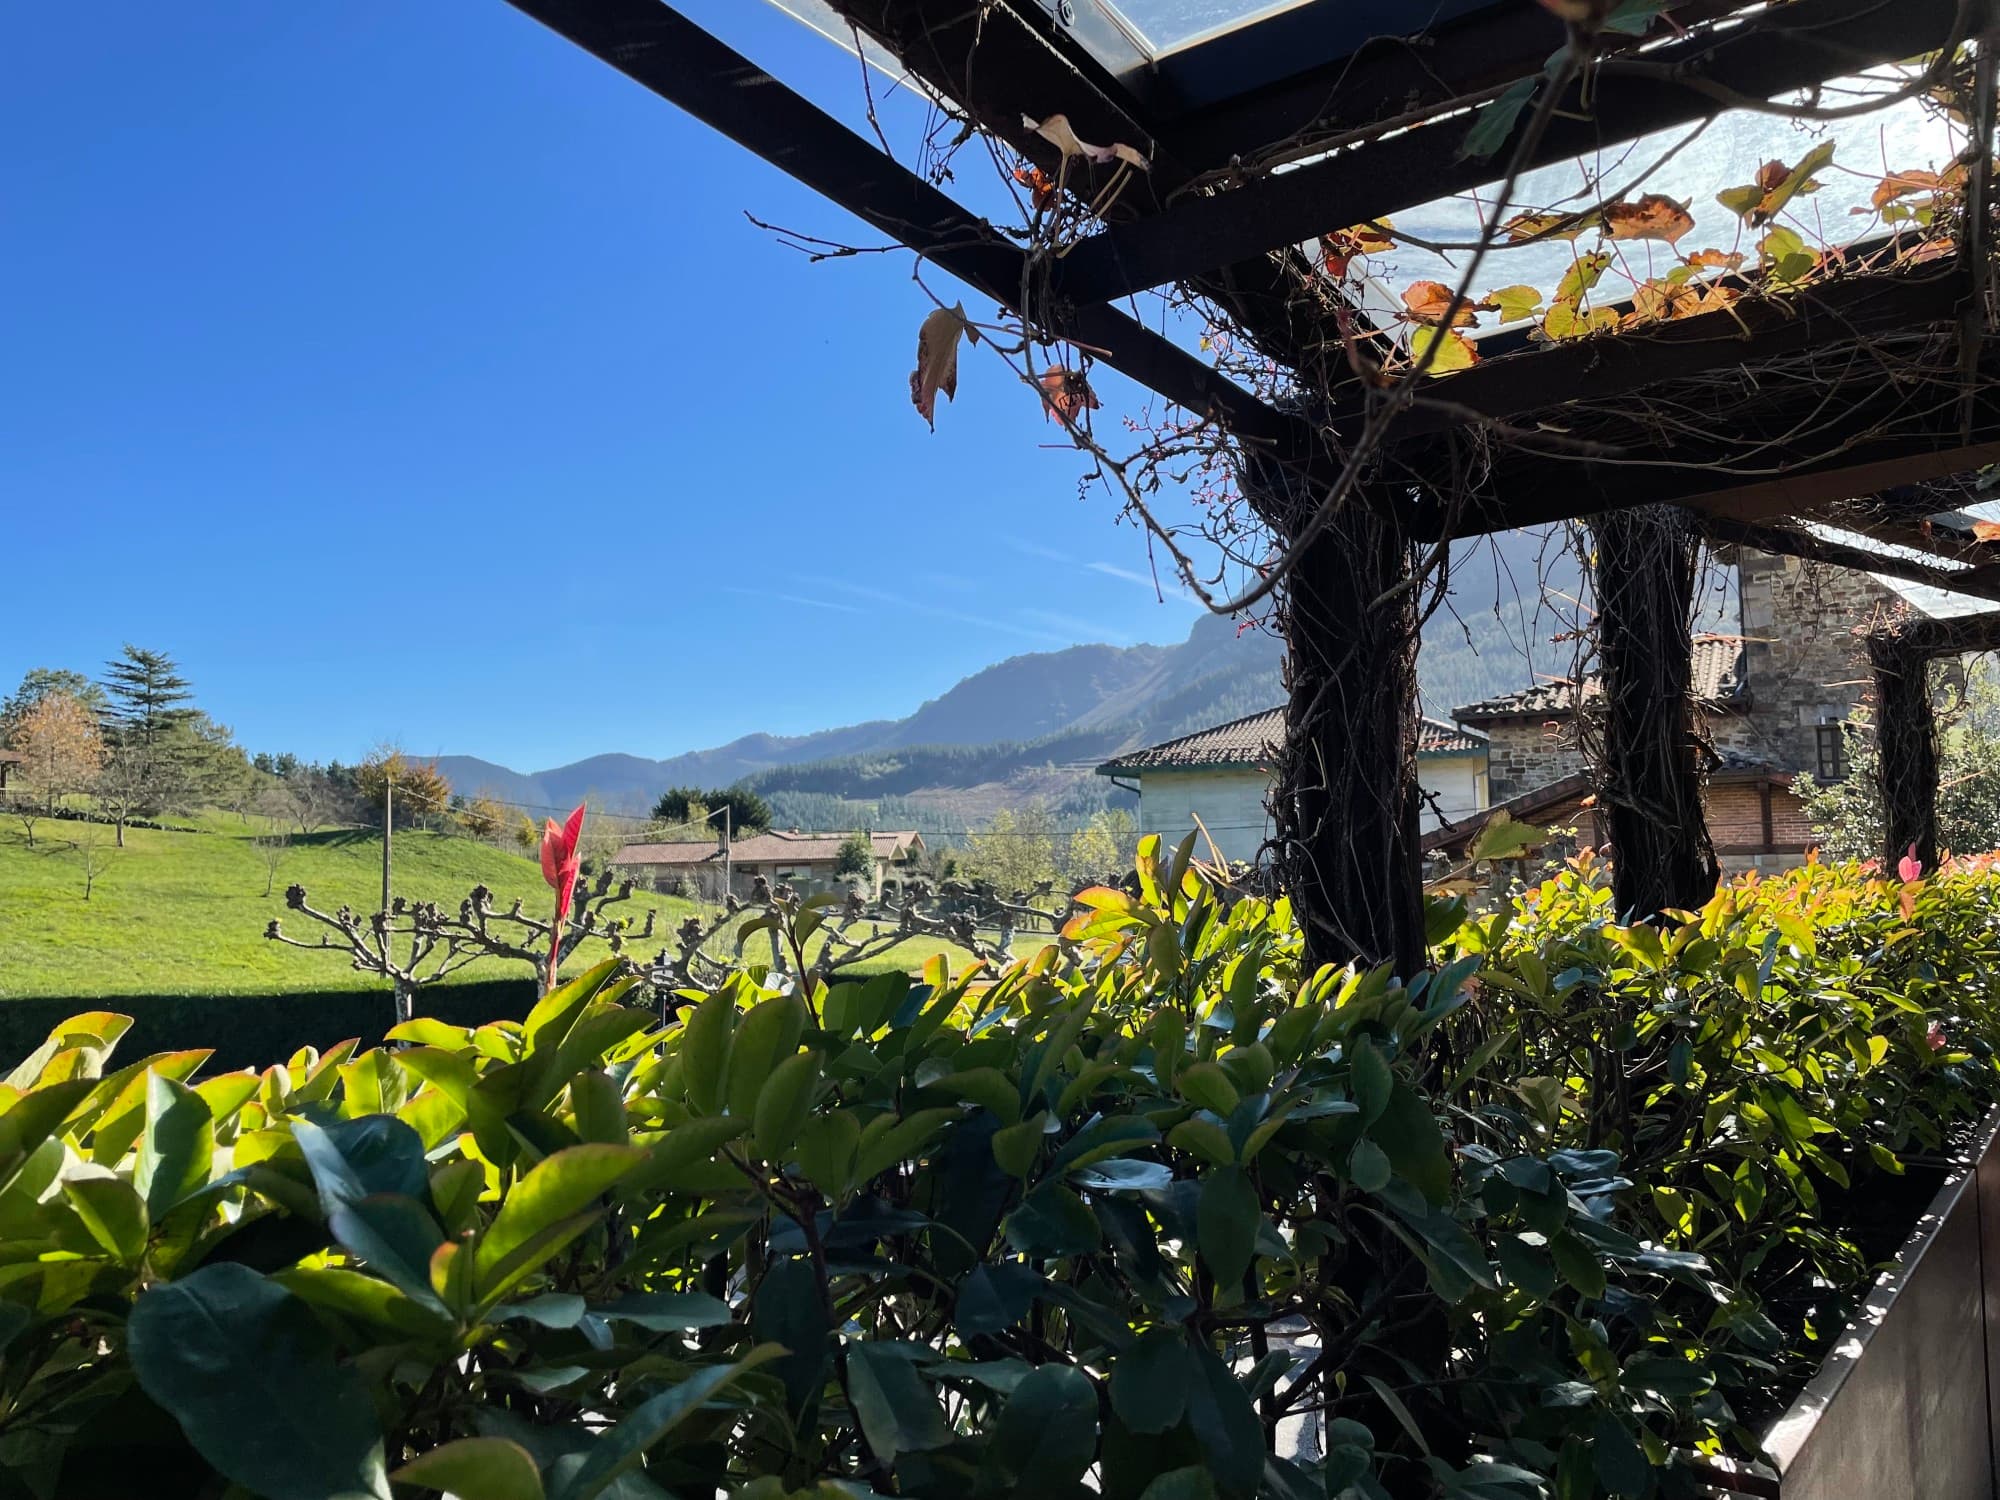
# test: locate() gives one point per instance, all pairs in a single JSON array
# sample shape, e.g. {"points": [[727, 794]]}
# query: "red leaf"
{"points": [[1065, 393]]}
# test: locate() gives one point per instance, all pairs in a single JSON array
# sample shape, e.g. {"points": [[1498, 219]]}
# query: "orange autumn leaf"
{"points": [[1429, 301], [937, 359], [1986, 531], [1653, 217], [1342, 245], [1725, 260], [1902, 185], [1039, 184], [1065, 393]]}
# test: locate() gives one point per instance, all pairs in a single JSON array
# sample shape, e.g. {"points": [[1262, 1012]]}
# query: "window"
{"points": [[1832, 751]]}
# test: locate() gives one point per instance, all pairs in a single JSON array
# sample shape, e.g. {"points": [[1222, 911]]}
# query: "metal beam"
{"points": [[1790, 47], [656, 46], [1786, 541], [1515, 376]]}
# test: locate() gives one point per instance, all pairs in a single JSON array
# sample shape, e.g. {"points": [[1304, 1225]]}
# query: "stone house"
{"points": [[804, 861], [1222, 776], [1770, 699]]}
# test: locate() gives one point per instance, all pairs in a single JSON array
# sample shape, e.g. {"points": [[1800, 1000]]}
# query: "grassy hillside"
{"points": [[184, 913]]}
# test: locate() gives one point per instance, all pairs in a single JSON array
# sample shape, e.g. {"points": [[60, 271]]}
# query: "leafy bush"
{"points": [[1124, 1215]]}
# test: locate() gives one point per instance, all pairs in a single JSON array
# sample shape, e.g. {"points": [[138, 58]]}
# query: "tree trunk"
{"points": [[1650, 778], [1345, 806], [1907, 762], [121, 830]]}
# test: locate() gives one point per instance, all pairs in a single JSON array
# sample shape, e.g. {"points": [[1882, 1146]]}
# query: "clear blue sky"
{"points": [[410, 375]]}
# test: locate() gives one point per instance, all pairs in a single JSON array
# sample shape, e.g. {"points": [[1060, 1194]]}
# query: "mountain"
{"points": [[1035, 726]]}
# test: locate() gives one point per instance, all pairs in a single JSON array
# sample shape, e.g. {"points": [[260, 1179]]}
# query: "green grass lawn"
{"points": [[184, 913]]}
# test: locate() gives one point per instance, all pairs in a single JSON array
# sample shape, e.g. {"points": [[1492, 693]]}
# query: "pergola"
{"points": [[1837, 415]]}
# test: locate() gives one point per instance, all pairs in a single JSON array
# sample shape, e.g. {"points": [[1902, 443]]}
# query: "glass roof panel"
{"points": [[1164, 25], [1690, 165]]}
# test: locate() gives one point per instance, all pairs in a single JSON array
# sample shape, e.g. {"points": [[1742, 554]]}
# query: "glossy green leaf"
{"points": [[646, 1426], [476, 1468], [113, 1212], [1208, 1087], [555, 1189], [249, 1372], [704, 1050], [1016, 1147], [177, 1147], [784, 1104], [1369, 1078], [766, 1035], [355, 1159], [897, 1411], [1150, 1381], [1047, 1435], [1226, 1220]]}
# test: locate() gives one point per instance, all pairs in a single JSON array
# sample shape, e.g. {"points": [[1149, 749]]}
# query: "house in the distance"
{"points": [[1222, 776], [802, 860], [1771, 701]]}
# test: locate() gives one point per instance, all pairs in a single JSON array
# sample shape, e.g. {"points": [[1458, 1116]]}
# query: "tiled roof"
{"points": [[1436, 737], [777, 847], [1251, 742], [1717, 678]]}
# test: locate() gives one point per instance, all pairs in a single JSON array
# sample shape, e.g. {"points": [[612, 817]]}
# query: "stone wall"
{"points": [[1803, 658], [1804, 665], [1523, 754]]}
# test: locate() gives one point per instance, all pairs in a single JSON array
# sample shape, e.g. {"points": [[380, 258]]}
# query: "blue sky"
{"points": [[410, 375]]}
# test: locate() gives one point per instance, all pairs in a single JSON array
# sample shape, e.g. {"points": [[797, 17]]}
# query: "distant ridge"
{"points": [[1034, 726]]}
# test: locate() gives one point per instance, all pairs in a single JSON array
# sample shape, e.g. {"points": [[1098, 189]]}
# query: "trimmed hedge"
{"points": [[251, 1031]]}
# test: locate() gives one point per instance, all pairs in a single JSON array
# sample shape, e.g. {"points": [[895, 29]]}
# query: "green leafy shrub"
{"points": [[1117, 1220]]}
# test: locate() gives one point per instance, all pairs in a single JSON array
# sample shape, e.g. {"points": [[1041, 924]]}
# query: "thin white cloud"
{"points": [[799, 599], [1088, 630], [920, 606], [1036, 549], [1161, 587]]}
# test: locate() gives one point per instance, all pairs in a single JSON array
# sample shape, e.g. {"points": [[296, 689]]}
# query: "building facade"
{"points": [[1770, 700], [804, 861], [1221, 778]]}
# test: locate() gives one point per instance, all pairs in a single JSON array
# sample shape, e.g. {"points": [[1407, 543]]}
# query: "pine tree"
{"points": [[147, 694]]}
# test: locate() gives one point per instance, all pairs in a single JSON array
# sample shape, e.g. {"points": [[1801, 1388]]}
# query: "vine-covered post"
{"points": [[1907, 745], [1345, 806], [1649, 775]]}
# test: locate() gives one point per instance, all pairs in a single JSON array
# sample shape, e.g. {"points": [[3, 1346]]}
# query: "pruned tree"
{"points": [[93, 854], [418, 943], [61, 749], [139, 779], [273, 846]]}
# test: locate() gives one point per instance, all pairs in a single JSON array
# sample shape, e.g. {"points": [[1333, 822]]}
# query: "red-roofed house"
{"points": [[802, 860]]}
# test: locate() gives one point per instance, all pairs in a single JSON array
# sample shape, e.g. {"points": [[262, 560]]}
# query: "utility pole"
{"points": [[388, 798]]}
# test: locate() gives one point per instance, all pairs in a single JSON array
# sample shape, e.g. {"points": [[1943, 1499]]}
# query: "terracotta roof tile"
{"points": [[760, 847], [1717, 663], [1250, 743]]}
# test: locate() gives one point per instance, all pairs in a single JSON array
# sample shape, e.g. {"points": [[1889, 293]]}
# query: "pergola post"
{"points": [[1650, 780], [1345, 807], [1907, 749]]}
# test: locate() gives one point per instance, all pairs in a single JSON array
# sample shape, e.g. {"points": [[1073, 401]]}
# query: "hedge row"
{"points": [[252, 1031]]}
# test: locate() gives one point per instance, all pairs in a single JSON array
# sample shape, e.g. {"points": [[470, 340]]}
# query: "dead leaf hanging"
{"points": [[1057, 132], [1041, 187], [1343, 245], [937, 359], [1429, 301], [1065, 393], [1653, 217]]}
